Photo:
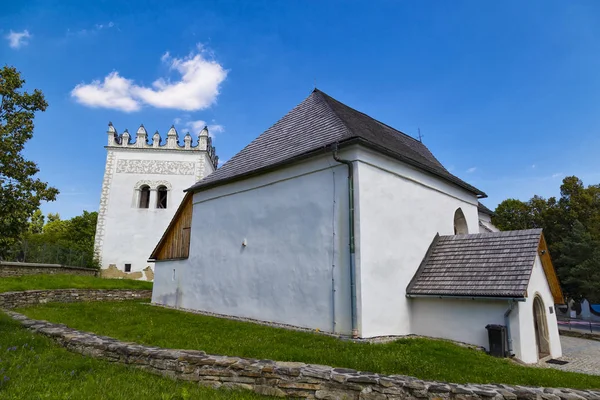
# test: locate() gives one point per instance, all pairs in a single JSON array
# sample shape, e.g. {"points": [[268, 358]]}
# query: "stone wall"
{"points": [[283, 379], [8, 268], [10, 300]]}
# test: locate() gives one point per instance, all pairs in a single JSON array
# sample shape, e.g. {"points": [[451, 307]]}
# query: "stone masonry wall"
{"points": [[283, 379], [10, 300], [19, 269]]}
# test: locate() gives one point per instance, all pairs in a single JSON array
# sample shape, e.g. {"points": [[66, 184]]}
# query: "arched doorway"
{"points": [[542, 339]]}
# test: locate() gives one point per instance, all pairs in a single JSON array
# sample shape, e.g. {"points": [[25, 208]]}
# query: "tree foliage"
{"points": [[37, 222], [20, 193], [571, 226], [75, 238]]}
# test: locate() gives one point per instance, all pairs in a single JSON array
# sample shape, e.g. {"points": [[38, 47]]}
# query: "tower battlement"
{"points": [[173, 142]]}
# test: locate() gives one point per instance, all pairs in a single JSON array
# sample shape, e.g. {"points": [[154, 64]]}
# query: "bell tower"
{"points": [[142, 187]]}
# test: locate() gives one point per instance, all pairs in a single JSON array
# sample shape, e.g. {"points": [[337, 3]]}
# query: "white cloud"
{"points": [[196, 126], [557, 175], [91, 31], [17, 40], [472, 169], [105, 26], [533, 166], [215, 128], [114, 92], [197, 88]]}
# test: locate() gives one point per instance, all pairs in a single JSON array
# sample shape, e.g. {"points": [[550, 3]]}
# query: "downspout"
{"points": [[351, 215], [511, 305]]}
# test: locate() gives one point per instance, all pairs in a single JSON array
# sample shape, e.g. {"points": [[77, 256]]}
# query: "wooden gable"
{"points": [[550, 272], [175, 242]]}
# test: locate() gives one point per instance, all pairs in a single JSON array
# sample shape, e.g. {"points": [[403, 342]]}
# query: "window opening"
{"points": [[161, 198], [144, 197]]}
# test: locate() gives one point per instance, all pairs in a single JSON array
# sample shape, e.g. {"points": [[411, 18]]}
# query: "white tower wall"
{"points": [[126, 233]]}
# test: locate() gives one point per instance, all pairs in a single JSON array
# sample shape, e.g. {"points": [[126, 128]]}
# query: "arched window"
{"points": [[460, 223], [161, 198], [144, 196]]}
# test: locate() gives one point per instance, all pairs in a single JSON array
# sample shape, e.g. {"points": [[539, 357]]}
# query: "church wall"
{"points": [[130, 233], [400, 211], [525, 348], [267, 248], [456, 319]]}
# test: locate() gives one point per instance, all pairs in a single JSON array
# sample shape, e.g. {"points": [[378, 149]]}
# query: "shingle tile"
{"points": [[316, 123], [496, 264]]}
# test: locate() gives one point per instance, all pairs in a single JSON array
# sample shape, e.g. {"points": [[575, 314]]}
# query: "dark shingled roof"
{"points": [[313, 125], [494, 264], [483, 209]]}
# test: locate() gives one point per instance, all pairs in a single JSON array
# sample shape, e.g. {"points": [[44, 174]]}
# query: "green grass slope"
{"points": [[422, 358], [63, 281], [33, 367]]}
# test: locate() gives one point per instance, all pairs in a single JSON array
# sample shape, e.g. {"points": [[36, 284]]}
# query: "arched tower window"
{"points": [[460, 223], [161, 198], [144, 196]]}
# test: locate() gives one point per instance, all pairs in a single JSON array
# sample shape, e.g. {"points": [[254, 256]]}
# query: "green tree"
{"points": [[579, 264], [66, 241], [513, 214], [20, 193], [53, 217], [571, 226], [37, 222]]}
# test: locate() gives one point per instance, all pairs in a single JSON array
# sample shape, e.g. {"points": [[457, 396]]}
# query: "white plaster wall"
{"points": [[457, 319], [486, 220], [400, 210], [130, 232], [295, 224], [525, 348], [168, 275]]}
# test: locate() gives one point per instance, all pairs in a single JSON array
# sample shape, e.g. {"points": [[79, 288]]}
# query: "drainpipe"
{"points": [[511, 305], [351, 215]]}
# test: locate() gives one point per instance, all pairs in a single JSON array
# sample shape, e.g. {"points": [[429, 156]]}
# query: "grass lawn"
{"points": [[63, 281], [425, 359], [33, 367]]}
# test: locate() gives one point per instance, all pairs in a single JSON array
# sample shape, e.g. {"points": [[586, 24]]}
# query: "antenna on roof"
{"points": [[420, 136], [315, 82]]}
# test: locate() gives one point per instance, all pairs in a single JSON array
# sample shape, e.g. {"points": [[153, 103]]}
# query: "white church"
{"points": [[142, 188], [335, 221]]}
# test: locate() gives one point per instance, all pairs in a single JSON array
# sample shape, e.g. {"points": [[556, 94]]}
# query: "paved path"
{"points": [[583, 355]]}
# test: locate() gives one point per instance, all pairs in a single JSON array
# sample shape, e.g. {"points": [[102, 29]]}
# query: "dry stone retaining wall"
{"points": [[10, 300], [19, 269], [283, 379]]}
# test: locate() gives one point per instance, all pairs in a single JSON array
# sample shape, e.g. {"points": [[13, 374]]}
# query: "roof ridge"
{"points": [[514, 232], [256, 139], [326, 96], [310, 127]]}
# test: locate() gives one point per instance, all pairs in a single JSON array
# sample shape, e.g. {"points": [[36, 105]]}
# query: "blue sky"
{"points": [[506, 94]]}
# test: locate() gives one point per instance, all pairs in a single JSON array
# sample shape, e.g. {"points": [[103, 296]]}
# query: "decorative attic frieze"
{"points": [[172, 141]]}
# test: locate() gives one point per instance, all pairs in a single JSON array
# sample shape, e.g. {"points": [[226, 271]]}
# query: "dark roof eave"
{"points": [[348, 142], [467, 297], [485, 210], [197, 187]]}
